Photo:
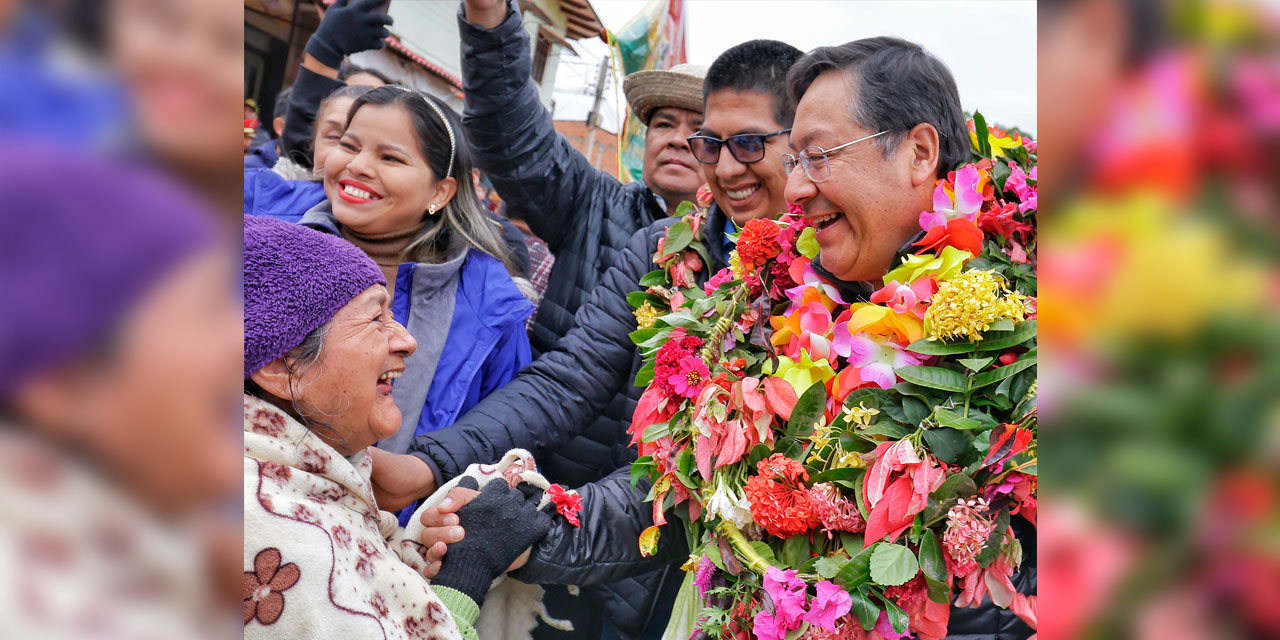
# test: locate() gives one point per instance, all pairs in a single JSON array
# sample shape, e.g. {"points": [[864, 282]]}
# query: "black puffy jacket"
{"points": [[584, 214], [552, 399]]}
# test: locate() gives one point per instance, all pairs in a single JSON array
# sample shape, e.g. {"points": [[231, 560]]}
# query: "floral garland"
{"points": [[847, 469]]}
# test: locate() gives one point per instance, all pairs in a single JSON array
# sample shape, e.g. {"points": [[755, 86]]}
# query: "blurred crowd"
{"points": [[128, 299]]}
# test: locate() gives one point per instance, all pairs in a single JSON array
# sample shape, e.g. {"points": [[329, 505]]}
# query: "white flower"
{"points": [[729, 505]]}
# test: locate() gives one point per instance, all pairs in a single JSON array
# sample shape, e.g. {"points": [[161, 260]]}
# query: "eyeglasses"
{"points": [[745, 147], [814, 159]]}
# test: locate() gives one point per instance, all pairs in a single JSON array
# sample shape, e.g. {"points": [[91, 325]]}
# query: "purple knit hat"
{"points": [[295, 280], [82, 240]]}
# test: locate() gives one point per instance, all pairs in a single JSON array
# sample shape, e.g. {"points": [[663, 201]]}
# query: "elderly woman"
{"points": [[320, 351]]}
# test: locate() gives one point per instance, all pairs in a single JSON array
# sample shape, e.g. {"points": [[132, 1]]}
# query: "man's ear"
{"points": [[922, 150], [273, 377], [277, 123], [444, 192]]}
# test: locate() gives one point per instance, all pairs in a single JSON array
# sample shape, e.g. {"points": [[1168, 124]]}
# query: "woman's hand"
{"points": [[399, 479], [349, 29], [441, 528], [486, 14], [504, 523]]}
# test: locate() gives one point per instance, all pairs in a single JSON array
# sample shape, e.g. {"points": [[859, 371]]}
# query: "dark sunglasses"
{"points": [[745, 147]]}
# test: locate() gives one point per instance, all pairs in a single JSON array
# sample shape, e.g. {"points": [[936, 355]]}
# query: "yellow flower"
{"points": [[860, 415], [645, 315], [822, 438], [998, 145], [941, 267], [848, 460], [735, 265], [967, 304]]}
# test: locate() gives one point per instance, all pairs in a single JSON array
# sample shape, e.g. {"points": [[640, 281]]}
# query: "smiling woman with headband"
{"points": [[392, 188]]}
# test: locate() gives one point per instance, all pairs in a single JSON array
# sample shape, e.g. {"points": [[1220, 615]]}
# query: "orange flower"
{"points": [[779, 500], [960, 233]]}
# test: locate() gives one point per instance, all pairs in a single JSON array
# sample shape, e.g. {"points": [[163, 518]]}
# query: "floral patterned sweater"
{"points": [[321, 561]]}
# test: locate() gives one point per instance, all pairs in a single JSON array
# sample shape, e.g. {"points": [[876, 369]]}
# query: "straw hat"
{"points": [[680, 86]]}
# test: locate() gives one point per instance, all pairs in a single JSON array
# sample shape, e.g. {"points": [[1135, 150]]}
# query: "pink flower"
{"points": [[831, 603], [568, 503], [875, 356], [966, 534], [722, 276], [904, 299], [886, 630], [1017, 183], [968, 201], [788, 594], [690, 376], [703, 578], [836, 512]]}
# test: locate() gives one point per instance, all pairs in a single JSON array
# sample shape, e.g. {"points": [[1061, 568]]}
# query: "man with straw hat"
{"points": [[584, 214]]}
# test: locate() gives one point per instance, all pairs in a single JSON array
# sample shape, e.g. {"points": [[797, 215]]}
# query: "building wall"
{"points": [[603, 156]]}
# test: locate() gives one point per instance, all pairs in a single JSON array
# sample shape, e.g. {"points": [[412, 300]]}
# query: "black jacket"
{"points": [[583, 214], [554, 398]]}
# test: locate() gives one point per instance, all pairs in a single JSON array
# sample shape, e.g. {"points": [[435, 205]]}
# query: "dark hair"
{"points": [[347, 69], [898, 85], [464, 215], [345, 91], [282, 103], [760, 66]]}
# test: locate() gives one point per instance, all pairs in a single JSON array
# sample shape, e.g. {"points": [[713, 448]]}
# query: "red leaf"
{"points": [[780, 396], [893, 514]]}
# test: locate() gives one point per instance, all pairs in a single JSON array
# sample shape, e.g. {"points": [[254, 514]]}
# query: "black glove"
{"points": [[349, 29], [501, 523]]}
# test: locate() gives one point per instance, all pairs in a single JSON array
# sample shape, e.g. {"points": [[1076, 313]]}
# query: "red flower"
{"points": [[568, 503], [779, 500], [1001, 222], [667, 362], [959, 233], [758, 243], [704, 196]]}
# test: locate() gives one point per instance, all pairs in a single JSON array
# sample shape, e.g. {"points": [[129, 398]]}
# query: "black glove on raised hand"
{"points": [[349, 29], [500, 523]]}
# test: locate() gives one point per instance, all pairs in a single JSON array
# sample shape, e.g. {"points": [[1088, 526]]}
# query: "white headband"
{"points": [[447, 127]]}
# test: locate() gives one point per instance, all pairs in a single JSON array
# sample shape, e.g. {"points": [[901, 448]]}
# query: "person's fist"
{"points": [[347, 29], [486, 14]]}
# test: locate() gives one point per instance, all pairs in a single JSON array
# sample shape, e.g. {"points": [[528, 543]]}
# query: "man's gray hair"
{"points": [[898, 85]]}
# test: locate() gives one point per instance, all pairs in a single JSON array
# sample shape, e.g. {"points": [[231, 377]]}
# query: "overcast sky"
{"points": [[989, 45]]}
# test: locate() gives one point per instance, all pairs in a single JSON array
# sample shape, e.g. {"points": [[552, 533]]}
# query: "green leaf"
{"points": [[655, 431], [1003, 324], [831, 475], [933, 377], [655, 278], [976, 364], [765, 552], [795, 633], [915, 410], [992, 548], [953, 419], [683, 209], [890, 429], [857, 571], [941, 500], [795, 551], [679, 319], [932, 563], [639, 336], [897, 617], [991, 377], [984, 150], [893, 564], [679, 235], [866, 610], [637, 299], [809, 409], [851, 542], [991, 340], [1022, 332], [828, 566], [645, 375], [641, 468], [857, 494]]}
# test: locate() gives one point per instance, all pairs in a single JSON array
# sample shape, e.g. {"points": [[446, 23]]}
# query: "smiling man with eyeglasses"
{"points": [[877, 122]]}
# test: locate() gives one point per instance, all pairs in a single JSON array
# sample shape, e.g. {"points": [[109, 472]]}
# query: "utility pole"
{"points": [[593, 117]]}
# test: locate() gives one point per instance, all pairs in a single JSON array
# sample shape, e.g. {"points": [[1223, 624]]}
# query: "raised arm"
{"points": [[540, 176]]}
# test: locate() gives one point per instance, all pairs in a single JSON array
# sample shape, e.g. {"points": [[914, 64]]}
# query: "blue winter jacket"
{"points": [[263, 156], [269, 195]]}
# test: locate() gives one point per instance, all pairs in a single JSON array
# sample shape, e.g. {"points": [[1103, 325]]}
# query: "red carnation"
{"points": [[568, 503], [758, 243], [779, 500]]}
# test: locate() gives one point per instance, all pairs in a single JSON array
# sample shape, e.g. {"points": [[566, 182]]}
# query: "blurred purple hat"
{"points": [[295, 280], [81, 241]]}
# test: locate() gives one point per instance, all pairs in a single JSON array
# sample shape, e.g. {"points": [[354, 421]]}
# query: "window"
{"points": [[541, 51]]}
